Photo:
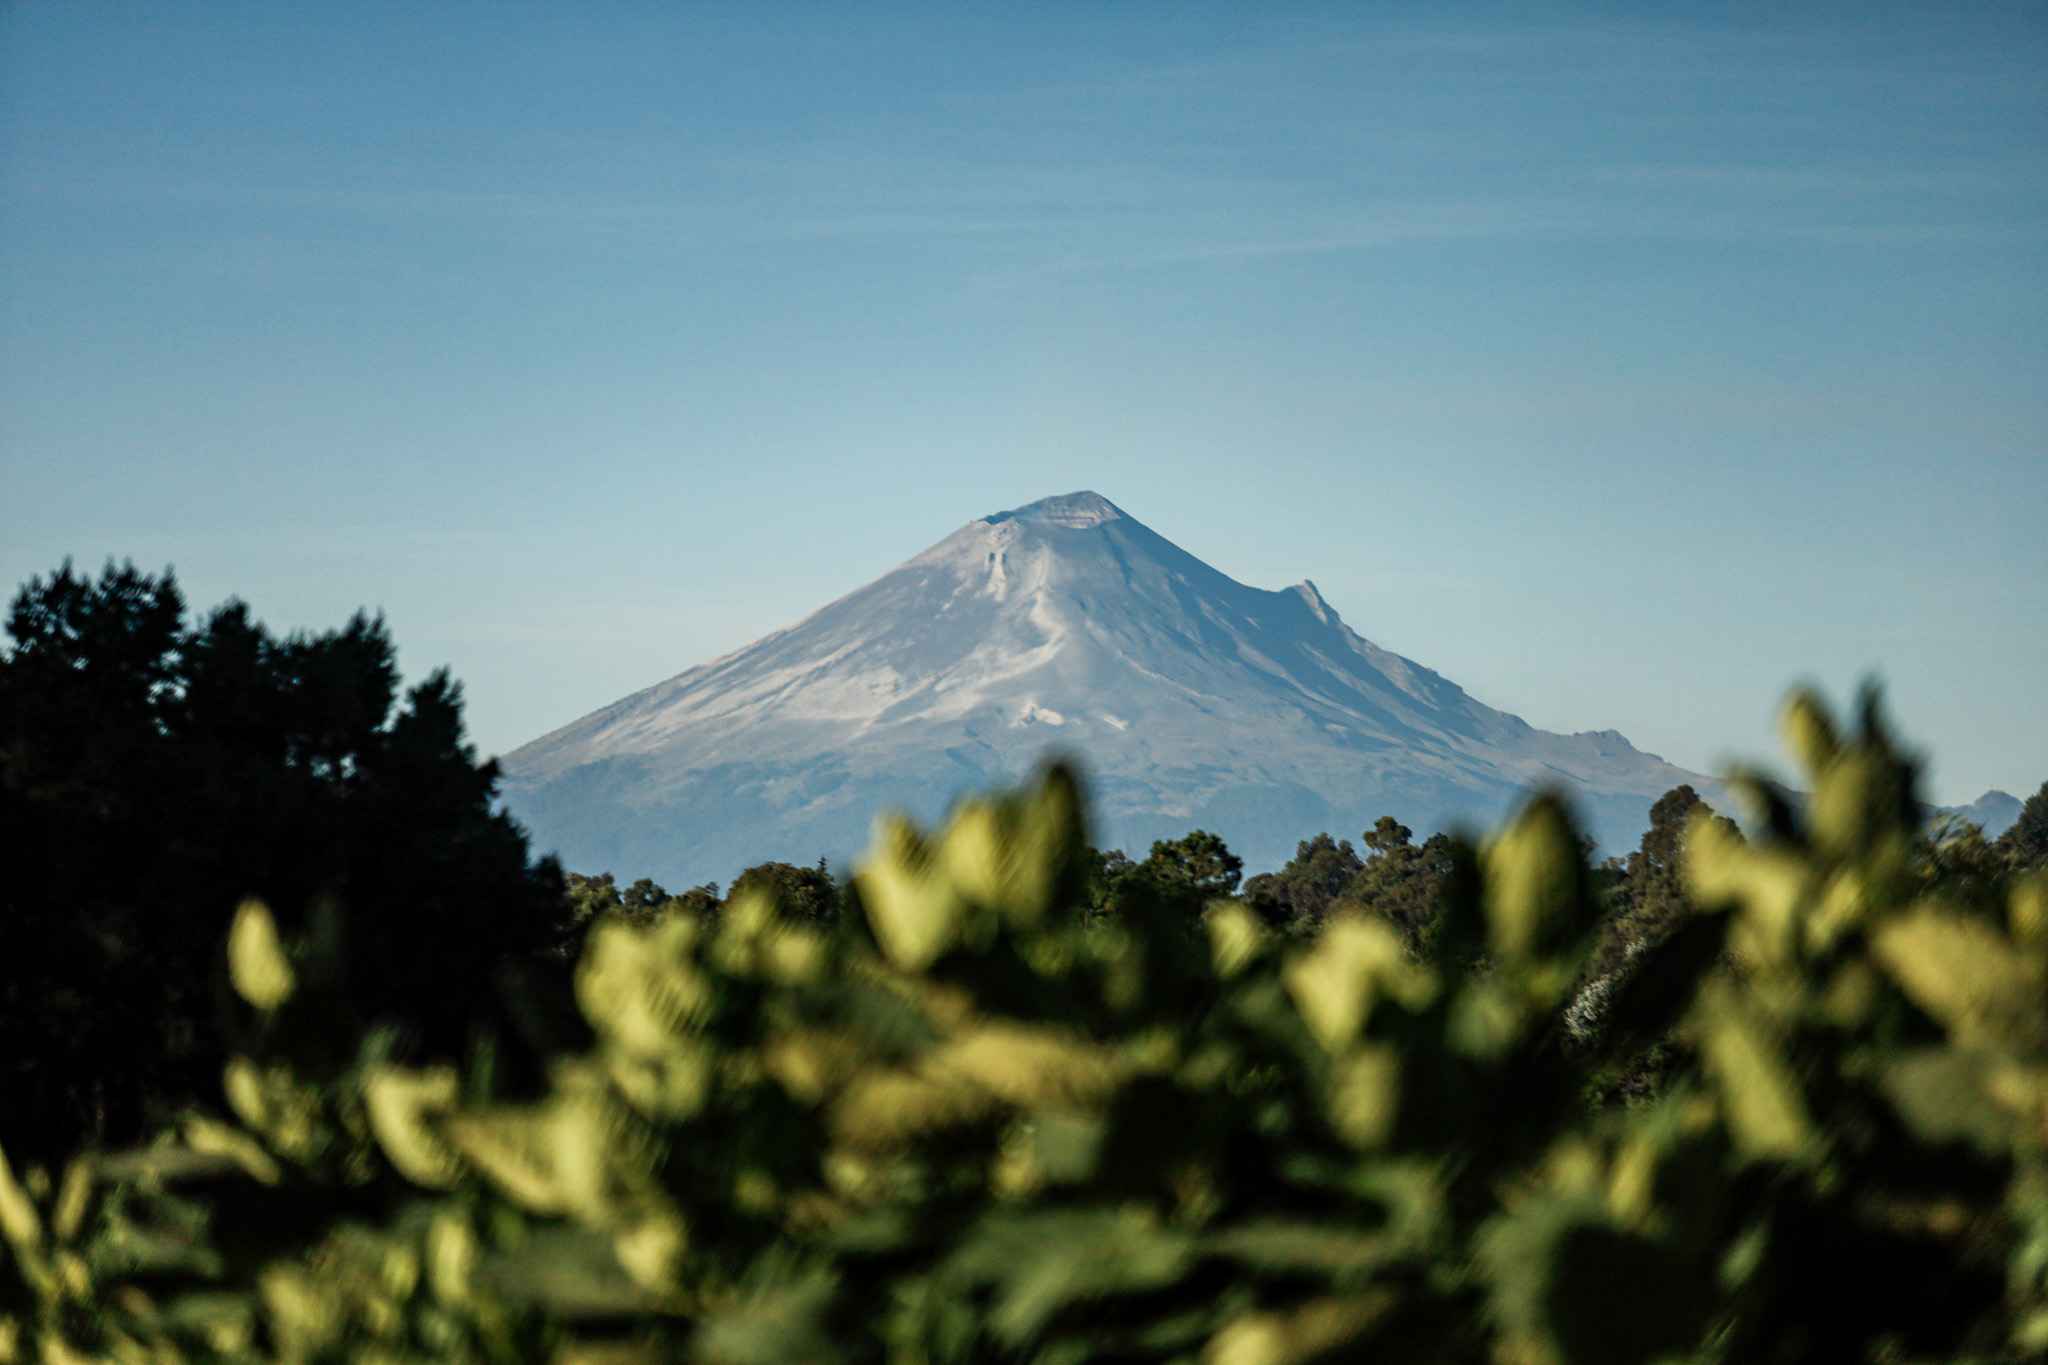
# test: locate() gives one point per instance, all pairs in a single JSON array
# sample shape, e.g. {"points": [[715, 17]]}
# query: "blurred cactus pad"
{"points": [[982, 1118]]}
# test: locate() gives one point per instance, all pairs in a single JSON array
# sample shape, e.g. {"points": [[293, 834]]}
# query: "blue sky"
{"points": [[1625, 364]]}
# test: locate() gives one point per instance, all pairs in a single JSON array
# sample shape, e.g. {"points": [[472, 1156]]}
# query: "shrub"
{"points": [[967, 1121]]}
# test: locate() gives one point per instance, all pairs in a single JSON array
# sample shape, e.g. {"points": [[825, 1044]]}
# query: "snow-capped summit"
{"points": [[1189, 698], [1078, 510]]}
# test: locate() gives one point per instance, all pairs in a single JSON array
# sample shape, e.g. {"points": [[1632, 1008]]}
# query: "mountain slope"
{"points": [[1994, 812], [1067, 625]]}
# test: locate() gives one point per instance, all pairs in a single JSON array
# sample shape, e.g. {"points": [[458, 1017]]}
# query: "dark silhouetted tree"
{"points": [[1104, 875], [1197, 865], [1178, 878], [2026, 843], [808, 892], [152, 775], [1646, 891], [1401, 881], [1297, 897]]}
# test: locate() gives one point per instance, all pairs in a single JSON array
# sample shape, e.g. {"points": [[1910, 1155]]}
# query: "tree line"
{"points": [[156, 771], [1006, 1098]]}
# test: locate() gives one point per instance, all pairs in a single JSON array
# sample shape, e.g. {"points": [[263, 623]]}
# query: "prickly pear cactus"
{"points": [[974, 1123]]}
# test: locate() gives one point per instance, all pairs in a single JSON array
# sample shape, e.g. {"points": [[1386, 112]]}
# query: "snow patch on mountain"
{"points": [[1065, 626]]}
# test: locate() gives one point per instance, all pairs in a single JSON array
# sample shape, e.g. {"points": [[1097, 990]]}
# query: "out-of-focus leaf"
{"points": [[1235, 937], [1768, 884], [671, 1085], [1847, 808], [1355, 962], [74, 1196], [225, 1322], [580, 1152], [1487, 1018], [781, 1324], [2027, 911], [1966, 974], [756, 939], [567, 1270], [1008, 856], [1944, 1093], [1845, 901], [1536, 895], [1031, 1067], [979, 854], [1808, 730], [305, 1316], [1315, 1331], [1759, 1094], [652, 1246], [910, 899], [19, 1221], [1365, 1091], [1053, 1149], [1012, 853], [886, 1108], [1517, 1248], [515, 1148], [286, 1111], [638, 987], [812, 1063], [402, 1105], [1038, 1263], [1287, 1246], [451, 1256], [166, 1163], [218, 1139], [256, 959]]}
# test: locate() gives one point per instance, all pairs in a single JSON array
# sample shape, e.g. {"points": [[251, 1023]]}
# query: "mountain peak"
{"points": [[1994, 812], [1317, 603], [1078, 510], [1194, 700]]}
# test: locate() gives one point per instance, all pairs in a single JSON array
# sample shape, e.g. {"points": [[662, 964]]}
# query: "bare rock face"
{"points": [[1062, 627]]}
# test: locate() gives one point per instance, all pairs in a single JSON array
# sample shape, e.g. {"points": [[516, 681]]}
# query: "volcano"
{"points": [[1066, 627]]}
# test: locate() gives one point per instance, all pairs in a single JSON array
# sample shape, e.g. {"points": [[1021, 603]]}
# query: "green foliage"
{"points": [[2025, 845], [806, 892], [1198, 864], [977, 1119], [595, 898], [1397, 881], [1401, 882], [1645, 891], [153, 774], [1646, 894], [1296, 898], [1178, 879]]}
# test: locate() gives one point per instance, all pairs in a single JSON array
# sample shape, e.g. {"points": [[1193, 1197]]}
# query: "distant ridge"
{"points": [[1062, 626], [1994, 812]]}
